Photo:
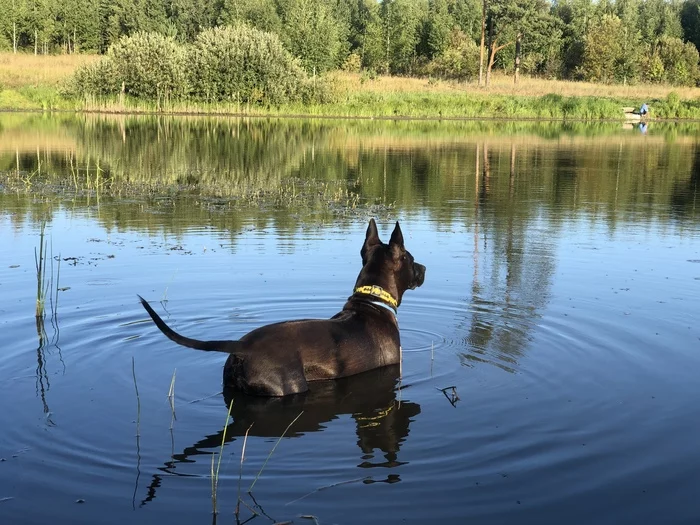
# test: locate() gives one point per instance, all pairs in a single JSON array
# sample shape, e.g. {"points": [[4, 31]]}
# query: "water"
{"points": [[559, 315]]}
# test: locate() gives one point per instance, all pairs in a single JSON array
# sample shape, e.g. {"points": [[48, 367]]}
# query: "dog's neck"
{"points": [[385, 298]]}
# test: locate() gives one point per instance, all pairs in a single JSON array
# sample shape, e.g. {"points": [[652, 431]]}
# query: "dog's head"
{"points": [[390, 266]]}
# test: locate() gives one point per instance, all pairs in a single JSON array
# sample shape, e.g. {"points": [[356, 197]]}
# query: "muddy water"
{"points": [[550, 360]]}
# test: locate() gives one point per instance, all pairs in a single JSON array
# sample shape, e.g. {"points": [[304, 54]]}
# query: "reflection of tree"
{"points": [[684, 199], [512, 274], [414, 165], [381, 421]]}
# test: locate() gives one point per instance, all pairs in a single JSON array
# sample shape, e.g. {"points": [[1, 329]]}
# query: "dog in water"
{"points": [[282, 358]]}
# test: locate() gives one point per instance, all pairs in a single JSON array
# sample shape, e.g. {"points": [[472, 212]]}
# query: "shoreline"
{"points": [[262, 113]]}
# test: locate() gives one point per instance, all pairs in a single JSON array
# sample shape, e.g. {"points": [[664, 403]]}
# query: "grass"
{"points": [[33, 82], [503, 85], [215, 473], [42, 285], [46, 283], [138, 399], [23, 70]]}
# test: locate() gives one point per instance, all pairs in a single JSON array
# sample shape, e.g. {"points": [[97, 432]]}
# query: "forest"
{"points": [[621, 41]]}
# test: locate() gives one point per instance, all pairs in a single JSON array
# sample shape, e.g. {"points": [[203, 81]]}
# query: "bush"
{"points": [[96, 79], [243, 64], [353, 63], [148, 65], [459, 60]]}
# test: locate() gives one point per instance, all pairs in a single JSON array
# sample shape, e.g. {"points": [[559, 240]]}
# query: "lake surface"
{"points": [[551, 359]]}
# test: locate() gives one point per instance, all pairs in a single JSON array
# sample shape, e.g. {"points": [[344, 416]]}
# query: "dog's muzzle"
{"points": [[418, 276]]}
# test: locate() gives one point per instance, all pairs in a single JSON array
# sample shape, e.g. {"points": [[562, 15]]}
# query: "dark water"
{"points": [[561, 302]]}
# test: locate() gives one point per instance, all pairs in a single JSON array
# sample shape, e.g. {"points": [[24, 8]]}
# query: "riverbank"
{"points": [[29, 82]]}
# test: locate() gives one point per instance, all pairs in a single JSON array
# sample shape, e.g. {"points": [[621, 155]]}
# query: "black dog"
{"points": [[281, 358]]}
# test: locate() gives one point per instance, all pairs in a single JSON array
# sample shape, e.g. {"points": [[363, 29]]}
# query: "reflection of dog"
{"points": [[281, 358], [382, 423]]}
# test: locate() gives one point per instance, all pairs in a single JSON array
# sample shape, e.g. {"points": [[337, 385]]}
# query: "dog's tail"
{"points": [[221, 346]]}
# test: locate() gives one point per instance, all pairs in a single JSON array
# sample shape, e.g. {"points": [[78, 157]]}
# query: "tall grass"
{"points": [[46, 282], [215, 472], [22, 69], [42, 284]]}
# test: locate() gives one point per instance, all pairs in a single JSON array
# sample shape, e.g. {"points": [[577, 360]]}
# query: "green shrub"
{"points": [[459, 60], [353, 63], [147, 65], [152, 66], [96, 79], [243, 64]]}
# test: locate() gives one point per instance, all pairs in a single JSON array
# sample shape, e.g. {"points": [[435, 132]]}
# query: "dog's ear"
{"points": [[371, 239], [396, 243], [372, 236], [397, 236]]}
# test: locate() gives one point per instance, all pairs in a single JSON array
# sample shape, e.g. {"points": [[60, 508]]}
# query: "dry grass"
{"points": [[22, 69], [503, 85]]}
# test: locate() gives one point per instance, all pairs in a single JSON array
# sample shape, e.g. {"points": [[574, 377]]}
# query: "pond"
{"points": [[550, 360]]}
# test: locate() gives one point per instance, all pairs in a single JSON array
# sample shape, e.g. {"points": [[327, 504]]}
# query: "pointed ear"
{"points": [[372, 236], [397, 236]]}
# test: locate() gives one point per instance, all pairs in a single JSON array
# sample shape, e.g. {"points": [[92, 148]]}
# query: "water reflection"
{"points": [[513, 263], [329, 166], [381, 414]]}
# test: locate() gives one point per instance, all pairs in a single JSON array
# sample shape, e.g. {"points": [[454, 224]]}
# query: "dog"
{"points": [[282, 358]]}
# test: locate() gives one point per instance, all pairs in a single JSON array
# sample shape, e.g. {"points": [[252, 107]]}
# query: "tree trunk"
{"points": [[481, 47], [517, 58], [36, 42], [491, 44], [14, 37], [492, 59]]}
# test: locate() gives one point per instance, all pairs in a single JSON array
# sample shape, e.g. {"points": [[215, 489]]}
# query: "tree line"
{"points": [[610, 41]]}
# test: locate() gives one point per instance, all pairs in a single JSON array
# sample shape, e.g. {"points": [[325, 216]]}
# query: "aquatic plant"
{"points": [[215, 473], [42, 285]]}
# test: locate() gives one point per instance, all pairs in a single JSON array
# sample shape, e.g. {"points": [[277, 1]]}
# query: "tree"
{"points": [[603, 49], [690, 21], [373, 50], [575, 17], [513, 20], [12, 20], [190, 17], [438, 26], [312, 34], [402, 21], [627, 63], [658, 18], [260, 14]]}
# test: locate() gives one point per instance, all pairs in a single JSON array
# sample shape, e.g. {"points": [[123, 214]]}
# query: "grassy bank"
{"points": [[29, 82]]}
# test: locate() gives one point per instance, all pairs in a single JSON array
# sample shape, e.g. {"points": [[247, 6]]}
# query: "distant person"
{"points": [[644, 110]]}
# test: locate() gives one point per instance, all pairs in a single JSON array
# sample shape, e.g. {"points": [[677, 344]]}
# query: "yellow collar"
{"points": [[379, 292]]}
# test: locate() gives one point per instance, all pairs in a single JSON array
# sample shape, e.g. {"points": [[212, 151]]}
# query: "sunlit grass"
{"points": [[33, 82], [502, 84], [24, 70]]}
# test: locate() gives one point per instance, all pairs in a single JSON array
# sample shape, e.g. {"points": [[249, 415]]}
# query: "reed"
{"points": [[250, 489], [138, 398], [40, 261], [171, 399], [215, 472], [240, 471]]}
